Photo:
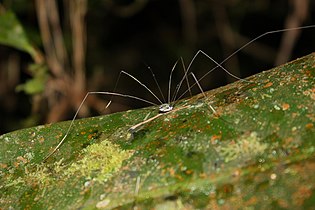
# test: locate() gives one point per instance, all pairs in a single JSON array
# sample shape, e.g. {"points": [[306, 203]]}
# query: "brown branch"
{"points": [[41, 9], [294, 20], [77, 20], [57, 35]]}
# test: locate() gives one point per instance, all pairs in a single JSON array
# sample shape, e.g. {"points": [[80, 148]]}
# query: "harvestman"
{"points": [[163, 108], [169, 106]]}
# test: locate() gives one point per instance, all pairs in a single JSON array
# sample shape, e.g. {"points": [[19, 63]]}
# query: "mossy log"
{"points": [[258, 151]]}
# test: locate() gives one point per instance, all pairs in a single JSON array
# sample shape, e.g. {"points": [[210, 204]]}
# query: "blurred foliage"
{"points": [[37, 83], [12, 34], [127, 34]]}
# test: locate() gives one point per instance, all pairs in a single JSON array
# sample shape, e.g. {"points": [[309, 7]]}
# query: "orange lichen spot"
{"points": [[22, 159], [174, 116], [3, 165], [269, 84], [83, 133], [183, 126], [227, 188], [215, 137], [307, 92], [309, 125], [165, 138], [41, 139], [189, 172], [179, 177], [203, 175], [288, 141], [283, 203], [293, 79], [90, 136], [237, 173], [171, 171], [311, 116], [285, 106], [251, 201], [301, 195], [16, 164], [308, 72]]}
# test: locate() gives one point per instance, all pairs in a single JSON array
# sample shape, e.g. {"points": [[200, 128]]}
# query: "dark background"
{"points": [[131, 35]]}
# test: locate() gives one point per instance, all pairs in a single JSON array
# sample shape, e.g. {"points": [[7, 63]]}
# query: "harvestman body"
{"points": [[169, 106]]}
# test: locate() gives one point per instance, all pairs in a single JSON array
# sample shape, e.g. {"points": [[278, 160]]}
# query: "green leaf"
{"points": [[37, 83], [12, 34], [258, 153]]}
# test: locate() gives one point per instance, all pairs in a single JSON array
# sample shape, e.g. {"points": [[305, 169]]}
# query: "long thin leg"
{"points": [[156, 82], [179, 84], [74, 117], [170, 83], [133, 128], [241, 48], [211, 107], [218, 65], [134, 78]]}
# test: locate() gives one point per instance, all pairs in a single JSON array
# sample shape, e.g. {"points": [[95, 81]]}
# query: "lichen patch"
{"points": [[100, 161], [246, 146]]}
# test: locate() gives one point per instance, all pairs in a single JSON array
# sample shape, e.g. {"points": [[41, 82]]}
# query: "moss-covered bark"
{"points": [[259, 151]]}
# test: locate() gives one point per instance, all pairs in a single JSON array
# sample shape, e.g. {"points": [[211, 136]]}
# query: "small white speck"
{"points": [[102, 196], [29, 155], [276, 107], [87, 184], [102, 204], [273, 176], [256, 106], [33, 134], [221, 201], [6, 139], [199, 105]]}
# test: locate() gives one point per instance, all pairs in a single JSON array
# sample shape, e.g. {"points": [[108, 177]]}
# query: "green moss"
{"points": [[264, 134], [100, 161]]}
